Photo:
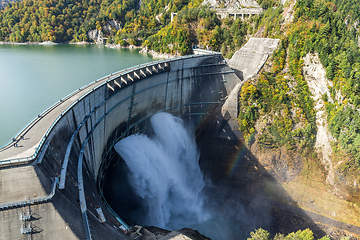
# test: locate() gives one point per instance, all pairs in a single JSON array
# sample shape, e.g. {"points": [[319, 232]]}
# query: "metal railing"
{"points": [[31, 200], [204, 51], [108, 77], [80, 159]]}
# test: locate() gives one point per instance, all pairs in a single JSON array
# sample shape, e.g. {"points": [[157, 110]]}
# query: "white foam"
{"points": [[164, 171]]}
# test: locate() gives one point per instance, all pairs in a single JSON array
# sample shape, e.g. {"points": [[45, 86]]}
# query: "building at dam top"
{"points": [[238, 12], [52, 171], [235, 9]]}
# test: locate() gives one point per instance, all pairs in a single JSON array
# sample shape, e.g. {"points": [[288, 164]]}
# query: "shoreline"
{"points": [[118, 46], [43, 43], [157, 55], [70, 43], [143, 50], [32, 43]]}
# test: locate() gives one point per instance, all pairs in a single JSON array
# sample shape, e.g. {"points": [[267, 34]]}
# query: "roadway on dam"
{"points": [[182, 85], [30, 137]]}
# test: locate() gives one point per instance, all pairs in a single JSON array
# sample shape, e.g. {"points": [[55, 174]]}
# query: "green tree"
{"points": [[259, 234]]}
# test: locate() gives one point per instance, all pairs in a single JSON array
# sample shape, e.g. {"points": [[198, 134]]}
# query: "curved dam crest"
{"points": [[51, 184]]}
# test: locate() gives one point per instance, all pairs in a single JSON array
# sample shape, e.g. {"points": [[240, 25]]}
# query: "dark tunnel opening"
{"points": [[119, 193]]}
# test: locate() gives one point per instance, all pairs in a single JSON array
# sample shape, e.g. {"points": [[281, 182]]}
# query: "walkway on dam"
{"points": [[30, 138]]}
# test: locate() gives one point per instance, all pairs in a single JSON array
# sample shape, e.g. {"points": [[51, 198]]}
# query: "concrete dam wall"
{"points": [[57, 194]]}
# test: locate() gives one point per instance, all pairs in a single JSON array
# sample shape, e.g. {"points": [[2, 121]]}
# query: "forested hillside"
{"points": [[60, 21], [63, 21], [3, 3], [329, 29]]}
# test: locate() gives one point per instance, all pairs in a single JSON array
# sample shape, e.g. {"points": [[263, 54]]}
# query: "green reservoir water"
{"points": [[34, 77]]}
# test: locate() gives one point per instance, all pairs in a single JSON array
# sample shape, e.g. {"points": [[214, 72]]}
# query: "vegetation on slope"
{"points": [[199, 26], [56, 21], [331, 30], [288, 107], [65, 20], [307, 234], [3, 3], [148, 24]]}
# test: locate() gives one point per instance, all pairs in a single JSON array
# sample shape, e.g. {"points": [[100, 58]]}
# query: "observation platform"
{"points": [[238, 12]]}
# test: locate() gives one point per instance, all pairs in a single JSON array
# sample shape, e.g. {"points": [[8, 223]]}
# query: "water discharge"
{"points": [[165, 173], [163, 170]]}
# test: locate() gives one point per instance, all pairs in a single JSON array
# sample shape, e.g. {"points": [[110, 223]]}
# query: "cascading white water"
{"points": [[164, 172]]}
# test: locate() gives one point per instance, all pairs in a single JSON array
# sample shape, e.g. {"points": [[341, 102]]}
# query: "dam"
{"points": [[52, 172], [57, 176]]}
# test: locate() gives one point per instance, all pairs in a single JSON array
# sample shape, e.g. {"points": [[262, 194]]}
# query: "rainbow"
{"points": [[237, 156]]}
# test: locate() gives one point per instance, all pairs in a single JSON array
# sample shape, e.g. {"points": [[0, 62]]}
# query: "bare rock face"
{"points": [[155, 233], [115, 24], [281, 164], [106, 28], [315, 77], [96, 36], [112, 24]]}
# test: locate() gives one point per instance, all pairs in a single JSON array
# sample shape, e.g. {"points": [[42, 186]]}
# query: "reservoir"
{"points": [[34, 77]]}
